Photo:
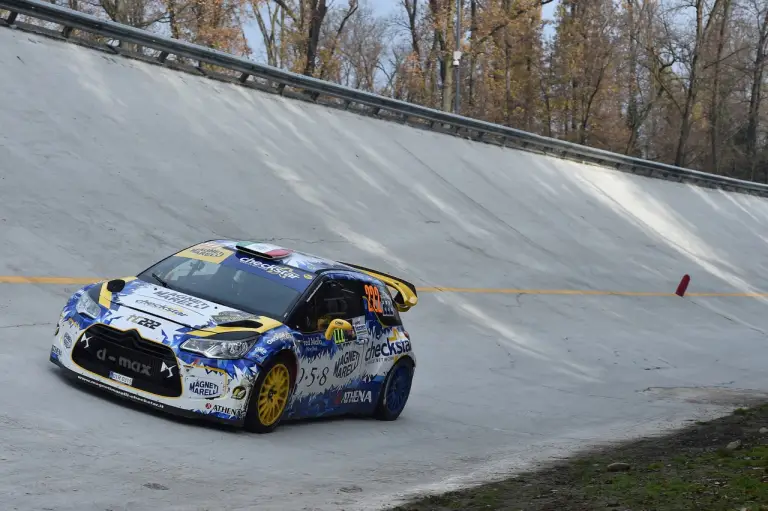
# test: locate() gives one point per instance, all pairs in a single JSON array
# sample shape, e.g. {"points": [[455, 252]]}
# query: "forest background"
{"points": [[676, 81]]}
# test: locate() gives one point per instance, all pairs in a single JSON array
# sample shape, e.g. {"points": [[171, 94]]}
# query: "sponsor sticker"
{"points": [[361, 330], [55, 352], [356, 396], [385, 349], [284, 272], [209, 252], [223, 409], [142, 321], [121, 393], [182, 299], [205, 381], [388, 308], [205, 388], [316, 340], [282, 336], [167, 308], [67, 340], [125, 362], [346, 364], [121, 378]]}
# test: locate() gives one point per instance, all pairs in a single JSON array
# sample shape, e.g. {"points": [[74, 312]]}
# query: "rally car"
{"points": [[245, 333]]}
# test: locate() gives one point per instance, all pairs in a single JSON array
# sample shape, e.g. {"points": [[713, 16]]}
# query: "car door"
{"points": [[327, 368]]}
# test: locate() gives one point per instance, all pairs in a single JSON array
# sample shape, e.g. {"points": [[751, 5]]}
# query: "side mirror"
{"points": [[336, 329]]}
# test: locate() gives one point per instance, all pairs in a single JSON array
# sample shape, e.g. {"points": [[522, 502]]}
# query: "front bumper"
{"points": [[181, 412], [226, 405]]}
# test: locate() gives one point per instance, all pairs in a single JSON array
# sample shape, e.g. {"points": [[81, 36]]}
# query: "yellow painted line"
{"points": [[538, 291], [578, 292], [15, 279], [728, 295]]}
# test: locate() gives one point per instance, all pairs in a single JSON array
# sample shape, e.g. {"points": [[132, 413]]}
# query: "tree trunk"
{"points": [[755, 97], [714, 125], [319, 10], [472, 37], [448, 58], [632, 108], [690, 96]]}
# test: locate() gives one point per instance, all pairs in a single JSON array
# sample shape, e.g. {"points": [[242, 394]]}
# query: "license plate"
{"points": [[119, 377]]}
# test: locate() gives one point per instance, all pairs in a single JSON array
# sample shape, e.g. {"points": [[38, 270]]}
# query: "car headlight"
{"points": [[88, 307], [218, 347]]}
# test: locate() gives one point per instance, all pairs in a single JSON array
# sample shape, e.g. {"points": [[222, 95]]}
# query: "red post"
{"points": [[683, 285]]}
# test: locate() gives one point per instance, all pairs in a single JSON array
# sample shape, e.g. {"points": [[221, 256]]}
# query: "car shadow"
{"points": [[201, 422], [287, 424], [121, 401]]}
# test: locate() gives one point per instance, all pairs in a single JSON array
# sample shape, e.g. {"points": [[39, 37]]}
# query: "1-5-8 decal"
{"points": [[320, 377]]}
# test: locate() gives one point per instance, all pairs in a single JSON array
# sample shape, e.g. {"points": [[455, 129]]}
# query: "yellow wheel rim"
{"points": [[273, 394]]}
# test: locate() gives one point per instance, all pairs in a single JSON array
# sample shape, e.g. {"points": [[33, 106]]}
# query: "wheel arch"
{"points": [[293, 362], [379, 410], [285, 355], [407, 356]]}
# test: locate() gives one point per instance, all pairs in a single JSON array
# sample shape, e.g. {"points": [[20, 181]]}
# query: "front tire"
{"points": [[269, 396], [395, 391]]}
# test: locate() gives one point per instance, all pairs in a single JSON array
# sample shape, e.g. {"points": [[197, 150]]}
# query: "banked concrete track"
{"points": [[107, 164]]}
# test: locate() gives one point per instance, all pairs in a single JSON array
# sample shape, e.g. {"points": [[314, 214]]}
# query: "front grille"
{"points": [[102, 349]]}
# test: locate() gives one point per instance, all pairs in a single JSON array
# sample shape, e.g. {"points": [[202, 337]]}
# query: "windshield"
{"points": [[231, 283]]}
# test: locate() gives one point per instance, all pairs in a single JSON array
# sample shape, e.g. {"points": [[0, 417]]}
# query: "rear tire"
{"points": [[269, 397], [395, 391]]}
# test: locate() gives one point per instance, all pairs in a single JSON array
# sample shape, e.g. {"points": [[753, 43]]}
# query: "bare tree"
{"points": [[361, 47], [759, 10]]}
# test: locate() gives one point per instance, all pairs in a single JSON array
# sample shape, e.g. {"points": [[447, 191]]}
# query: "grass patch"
{"points": [[693, 468]]}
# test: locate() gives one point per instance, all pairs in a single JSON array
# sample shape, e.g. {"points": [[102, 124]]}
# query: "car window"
{"points": [[334, 299], [191, 268], [388, 315], [225, 284]]}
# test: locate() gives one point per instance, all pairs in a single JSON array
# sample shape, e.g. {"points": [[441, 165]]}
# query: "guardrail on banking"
{"points": [[70, 19]]}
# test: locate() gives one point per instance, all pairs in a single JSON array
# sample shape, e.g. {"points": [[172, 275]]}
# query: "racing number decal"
{"points": [[374, 299]]}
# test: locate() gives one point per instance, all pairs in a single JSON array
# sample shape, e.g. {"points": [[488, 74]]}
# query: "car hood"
{"points": [[181, 308]]}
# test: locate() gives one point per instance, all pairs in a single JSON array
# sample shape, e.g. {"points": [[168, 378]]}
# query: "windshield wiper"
{"points": [[159, 279]]}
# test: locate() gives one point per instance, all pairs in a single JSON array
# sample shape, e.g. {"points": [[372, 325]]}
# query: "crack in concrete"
{"points": [[21, 325], [732, 320]]}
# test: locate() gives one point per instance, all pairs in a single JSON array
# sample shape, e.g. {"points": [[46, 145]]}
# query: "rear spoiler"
{"points": [[406, 296]]}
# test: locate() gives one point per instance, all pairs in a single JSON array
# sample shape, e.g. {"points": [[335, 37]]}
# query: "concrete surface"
{"points": [[107, 164]]}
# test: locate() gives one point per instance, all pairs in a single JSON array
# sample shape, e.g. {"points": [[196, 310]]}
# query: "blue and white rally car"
{"points": [[245, 333]]}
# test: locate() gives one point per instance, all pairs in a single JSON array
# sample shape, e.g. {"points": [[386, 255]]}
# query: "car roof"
{"points": [[304, 261], [221, 250]]}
